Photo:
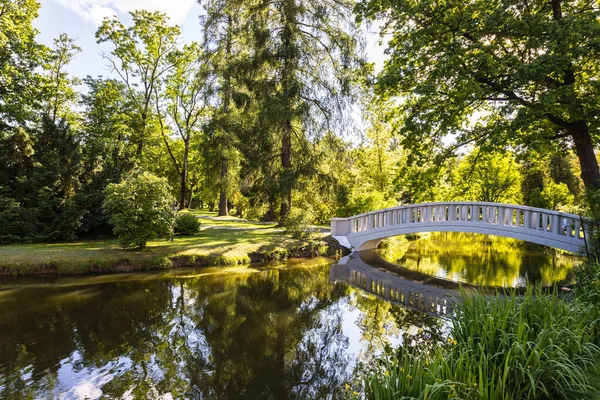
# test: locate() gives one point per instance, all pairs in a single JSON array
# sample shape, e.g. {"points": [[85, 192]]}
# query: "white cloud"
{"points": [[95, 10]]}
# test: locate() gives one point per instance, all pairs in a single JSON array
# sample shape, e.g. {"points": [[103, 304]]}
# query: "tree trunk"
{"points": [[579, 130], [286, 163], [223, 211], [142, 133], [183, 176], [270, 215], [584, 147]]}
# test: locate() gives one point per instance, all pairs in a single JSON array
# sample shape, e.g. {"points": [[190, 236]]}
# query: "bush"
{"points": [[537, 346], [298, 223], [160, 262], [139, 209], [187, 224]]}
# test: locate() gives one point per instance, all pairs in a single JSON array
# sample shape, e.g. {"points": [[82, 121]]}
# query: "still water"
{"points": [[481, 260], [292, 331], [245, 333]]}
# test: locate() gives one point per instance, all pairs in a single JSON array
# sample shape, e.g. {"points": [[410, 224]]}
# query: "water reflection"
{"points": [[482, 260], [273, 334]]}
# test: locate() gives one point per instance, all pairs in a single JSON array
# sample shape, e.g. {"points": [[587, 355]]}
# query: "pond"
{"points": [[480, 260], [296, 330], [268, 333]]}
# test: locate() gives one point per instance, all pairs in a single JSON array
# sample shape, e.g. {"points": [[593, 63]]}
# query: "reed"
{"points": [[531, 346]]}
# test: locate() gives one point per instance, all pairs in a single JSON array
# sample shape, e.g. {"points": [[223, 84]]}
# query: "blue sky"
{"points": [[80, 19]]}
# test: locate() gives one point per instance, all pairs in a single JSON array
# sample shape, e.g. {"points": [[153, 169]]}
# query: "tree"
{"points": [[139, 208], [488, 177], [187, 96], [20, 56], [108, 150], [304, 53], [142, 56], [224, 40], [58, 89], [528, 69]]}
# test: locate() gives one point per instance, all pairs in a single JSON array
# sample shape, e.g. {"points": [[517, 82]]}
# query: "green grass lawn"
{"points": [[221, 241]]}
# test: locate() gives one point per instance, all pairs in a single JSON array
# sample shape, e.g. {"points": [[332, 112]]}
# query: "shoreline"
{"points": [[156, 260]]}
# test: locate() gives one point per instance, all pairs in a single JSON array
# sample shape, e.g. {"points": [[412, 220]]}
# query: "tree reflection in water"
{"points": [[276, 334], [482, 259]]}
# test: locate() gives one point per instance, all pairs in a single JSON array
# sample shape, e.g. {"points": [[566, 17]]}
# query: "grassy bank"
{"points": [[221, 241]]}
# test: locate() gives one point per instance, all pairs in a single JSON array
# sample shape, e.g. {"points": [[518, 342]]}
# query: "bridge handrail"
{"points": [[474, 203]]}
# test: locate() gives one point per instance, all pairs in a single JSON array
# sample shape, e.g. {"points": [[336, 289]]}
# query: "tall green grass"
{"points": [[535, 346]]}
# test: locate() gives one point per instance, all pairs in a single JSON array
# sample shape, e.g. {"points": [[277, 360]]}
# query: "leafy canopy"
{"points": [[495, 73]]}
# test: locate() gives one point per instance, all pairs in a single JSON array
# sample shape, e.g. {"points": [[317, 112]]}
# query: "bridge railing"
{"points": [[425, 298], [507, 215]]}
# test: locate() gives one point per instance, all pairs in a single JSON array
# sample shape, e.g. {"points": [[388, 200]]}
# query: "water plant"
{"points": [[535, 346]]}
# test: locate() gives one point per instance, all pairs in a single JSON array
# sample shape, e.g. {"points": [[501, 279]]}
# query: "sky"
{"points": [[80, 19]]}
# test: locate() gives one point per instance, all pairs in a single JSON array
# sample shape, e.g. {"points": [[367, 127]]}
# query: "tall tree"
{"points": [[109, 149], [223, 39], [305, 51], [141, 56], [527, 68], [187, 98]]}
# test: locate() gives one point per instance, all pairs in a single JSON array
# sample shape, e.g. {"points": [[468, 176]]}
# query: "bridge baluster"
{"points": [[545, 222], [577, 228], [452, 213], [555, 225], [534, 222], [501, 215]]}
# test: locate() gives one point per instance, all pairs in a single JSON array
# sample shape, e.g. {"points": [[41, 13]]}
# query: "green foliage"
{"points": [[20, 59], [298, 223], [491, 73], [587, 283], [186, 224], [556, 196], [139, 208], [362, 201], [535, 346], [141, 54], [160, 262], [493, 178]]}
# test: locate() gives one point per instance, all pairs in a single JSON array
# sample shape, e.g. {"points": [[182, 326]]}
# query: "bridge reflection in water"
{"points": [[423, 293]]}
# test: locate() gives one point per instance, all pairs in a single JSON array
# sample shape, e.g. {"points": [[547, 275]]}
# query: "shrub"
{"points": [[298, 223], [160, 262], [187, 224], [501, 347], [139, 209]]}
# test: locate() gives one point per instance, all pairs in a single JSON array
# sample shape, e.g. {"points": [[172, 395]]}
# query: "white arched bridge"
{"points": [[536, 225]]}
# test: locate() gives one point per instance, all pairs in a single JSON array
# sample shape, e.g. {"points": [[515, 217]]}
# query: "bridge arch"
{"points": [[536, 225]]}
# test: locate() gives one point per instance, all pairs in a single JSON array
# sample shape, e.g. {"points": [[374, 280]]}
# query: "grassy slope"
{"points": [[221, 241]]}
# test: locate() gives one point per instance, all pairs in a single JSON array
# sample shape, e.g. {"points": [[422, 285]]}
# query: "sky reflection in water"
{"points": [[270, 334]]}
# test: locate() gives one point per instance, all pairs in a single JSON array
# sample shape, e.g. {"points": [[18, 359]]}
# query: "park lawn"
{"points": [[221, 241]]}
